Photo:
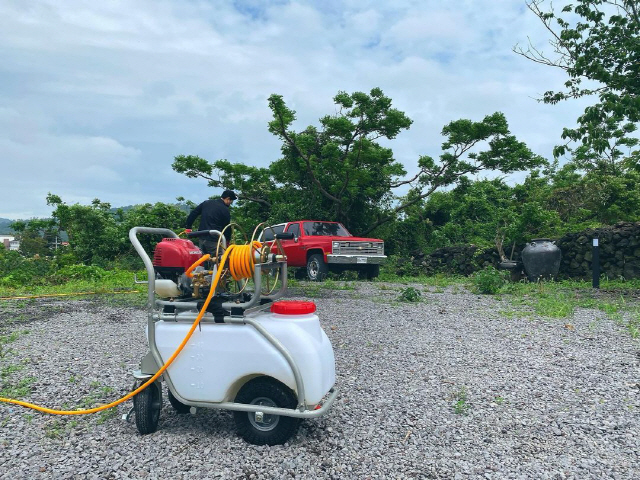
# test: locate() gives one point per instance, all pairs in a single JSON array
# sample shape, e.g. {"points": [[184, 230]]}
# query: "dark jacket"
{"points": [[215, 215]]}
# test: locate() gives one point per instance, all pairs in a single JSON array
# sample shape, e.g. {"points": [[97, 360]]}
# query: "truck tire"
{"points": [[316, 268], [373, 271]]}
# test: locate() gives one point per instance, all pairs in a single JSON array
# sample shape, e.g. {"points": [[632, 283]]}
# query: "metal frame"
{"points": [[152, 361]]}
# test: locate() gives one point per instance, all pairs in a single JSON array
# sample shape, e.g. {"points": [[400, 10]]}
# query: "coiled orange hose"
{"points": [[241, 262]]}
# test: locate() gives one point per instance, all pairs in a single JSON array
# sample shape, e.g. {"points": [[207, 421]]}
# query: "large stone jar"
{"points": [[541, 258]]}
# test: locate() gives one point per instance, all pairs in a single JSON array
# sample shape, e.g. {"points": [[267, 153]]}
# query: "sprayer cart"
{"points": [[219, 338]]}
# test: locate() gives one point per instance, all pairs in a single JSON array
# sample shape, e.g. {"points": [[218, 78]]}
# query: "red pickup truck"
{"points": [[327, 246]]}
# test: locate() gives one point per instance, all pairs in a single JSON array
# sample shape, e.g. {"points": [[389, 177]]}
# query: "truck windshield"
{"points": [[325, 229]]}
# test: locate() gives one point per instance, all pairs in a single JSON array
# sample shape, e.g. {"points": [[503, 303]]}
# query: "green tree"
{"points": [[338, 171], [92, 229], [339, 167], [470, 148], [36, 236], [597, 43]]}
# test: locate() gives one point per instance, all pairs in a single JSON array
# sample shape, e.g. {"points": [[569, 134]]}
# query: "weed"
{"points": [[106, 391], [333, 285], [499, 400], [461, 407], [5, 340], [106, 415], [54, 430], [409, 294], [9, 369], [19, 390], [633, 327], [488, 281]]}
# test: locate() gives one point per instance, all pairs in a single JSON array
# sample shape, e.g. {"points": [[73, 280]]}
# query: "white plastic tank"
{"points": [[219, 355]]}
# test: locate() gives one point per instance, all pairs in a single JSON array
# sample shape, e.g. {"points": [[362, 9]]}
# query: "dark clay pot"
{"points": [[541, 258]]}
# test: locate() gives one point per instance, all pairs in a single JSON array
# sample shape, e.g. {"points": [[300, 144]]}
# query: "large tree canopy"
{"points": [[338, 170], [597, 43]]}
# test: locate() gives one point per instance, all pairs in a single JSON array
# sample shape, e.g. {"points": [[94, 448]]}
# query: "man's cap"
{"points": [[229, 194]]}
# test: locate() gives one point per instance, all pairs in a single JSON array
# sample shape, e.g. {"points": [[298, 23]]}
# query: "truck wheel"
{"points": [[316, 268], [147, 405], [177, 405], [269, 429], [373, 271]]}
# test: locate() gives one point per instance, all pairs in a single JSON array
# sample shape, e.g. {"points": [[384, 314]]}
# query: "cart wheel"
{"points": [[147, 405], [271, 429], [177, 405]]}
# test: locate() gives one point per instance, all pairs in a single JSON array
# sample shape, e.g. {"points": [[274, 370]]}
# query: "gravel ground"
{"points": [[454, 386]]}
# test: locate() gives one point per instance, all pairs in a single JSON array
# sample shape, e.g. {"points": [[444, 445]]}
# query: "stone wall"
{"points": [[619, 252], [458, 260], [619, 255]]}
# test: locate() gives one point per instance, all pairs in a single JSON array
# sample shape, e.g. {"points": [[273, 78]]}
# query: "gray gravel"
{"points": [[451, 387]]}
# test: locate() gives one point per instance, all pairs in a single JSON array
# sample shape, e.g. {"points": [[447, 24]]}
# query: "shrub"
{"points": [[409, 294], [489, 280]]}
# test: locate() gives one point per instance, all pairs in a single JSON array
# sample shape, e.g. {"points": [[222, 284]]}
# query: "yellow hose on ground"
{"points": [[239, 262]]}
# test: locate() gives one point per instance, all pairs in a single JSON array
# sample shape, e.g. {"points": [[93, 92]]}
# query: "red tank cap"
{"points": [[293, 308]]}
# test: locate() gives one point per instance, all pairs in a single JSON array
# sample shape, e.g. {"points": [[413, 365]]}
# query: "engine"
{"points": [[171, 258]]}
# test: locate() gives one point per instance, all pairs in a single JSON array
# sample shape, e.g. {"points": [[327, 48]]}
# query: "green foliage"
{"points": [[99, 236], [596, 43], [461, 405], [338, 170], [18, 270], [410, 294], [595, 199], [35, 236], [80, 272], [489, 280]]}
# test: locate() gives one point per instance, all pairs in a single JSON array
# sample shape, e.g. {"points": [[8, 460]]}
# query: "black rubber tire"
{"points": [[177, 405], [275, 429], [373, 271], [316, 268], [147, 405]]}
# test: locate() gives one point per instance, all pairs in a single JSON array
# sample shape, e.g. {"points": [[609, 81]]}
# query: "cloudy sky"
{"points": [[96, 98]]}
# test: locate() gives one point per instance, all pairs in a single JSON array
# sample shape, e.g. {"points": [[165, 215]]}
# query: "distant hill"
{"points": [[4, 226]]}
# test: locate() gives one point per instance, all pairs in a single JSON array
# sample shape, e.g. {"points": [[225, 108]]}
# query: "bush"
{"points": [[489, 280], [80, 272], [409, 294], [399, 266]]}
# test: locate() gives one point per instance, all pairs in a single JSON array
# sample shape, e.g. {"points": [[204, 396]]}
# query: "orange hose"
{"points": [[201, 260], [240, 266]]}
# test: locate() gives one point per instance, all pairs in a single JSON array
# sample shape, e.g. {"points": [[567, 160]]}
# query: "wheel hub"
{"points": [[263, 421]]}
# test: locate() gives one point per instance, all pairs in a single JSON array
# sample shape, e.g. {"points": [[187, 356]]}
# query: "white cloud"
{"points": [[112, 91]]}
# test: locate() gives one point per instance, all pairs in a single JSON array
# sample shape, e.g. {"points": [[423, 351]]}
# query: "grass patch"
{"points": [[18, 390], [438, 280], [111, 281]]}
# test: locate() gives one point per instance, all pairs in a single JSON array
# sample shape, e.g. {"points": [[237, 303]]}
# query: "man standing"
{"points": [[214, 215]]}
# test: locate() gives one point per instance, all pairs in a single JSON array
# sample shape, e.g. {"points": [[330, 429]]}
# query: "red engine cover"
{"points": [[176, 253]]}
